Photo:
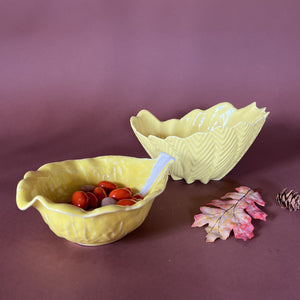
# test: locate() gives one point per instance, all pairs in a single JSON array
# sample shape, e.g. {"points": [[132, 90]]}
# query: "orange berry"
{"points": [[138, 197], [107, 185], [80, 199], [129, 189], [125, 202], [121, 193], [93, 200], [100, 193]]}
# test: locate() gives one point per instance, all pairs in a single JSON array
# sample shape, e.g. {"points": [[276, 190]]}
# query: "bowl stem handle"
{"points": [[161, 162]]}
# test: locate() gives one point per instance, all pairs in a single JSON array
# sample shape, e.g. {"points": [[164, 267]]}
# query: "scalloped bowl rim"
{"points": [[80, 212], [151, 136]]}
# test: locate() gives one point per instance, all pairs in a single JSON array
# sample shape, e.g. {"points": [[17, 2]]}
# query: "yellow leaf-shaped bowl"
{"points": [[49, 190], [206, 144]]}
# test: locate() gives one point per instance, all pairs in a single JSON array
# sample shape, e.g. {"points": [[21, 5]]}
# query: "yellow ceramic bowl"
{"points": [[206, 144], [49, 190]]}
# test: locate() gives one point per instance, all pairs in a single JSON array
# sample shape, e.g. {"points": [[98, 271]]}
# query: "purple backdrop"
{"points": [[71, 75]]}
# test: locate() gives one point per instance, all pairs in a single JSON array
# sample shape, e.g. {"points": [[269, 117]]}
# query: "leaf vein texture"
{"points": [[233, 213]]}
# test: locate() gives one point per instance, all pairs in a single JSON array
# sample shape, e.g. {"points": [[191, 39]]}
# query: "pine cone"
{"points": [[289, 199]]}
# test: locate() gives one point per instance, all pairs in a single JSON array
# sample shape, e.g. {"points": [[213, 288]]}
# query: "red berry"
{"points": [[138, 196], [125, 202], [93, 200], [128, 189], [100, 193], [80, 199], [120, 194], [107, 185]]}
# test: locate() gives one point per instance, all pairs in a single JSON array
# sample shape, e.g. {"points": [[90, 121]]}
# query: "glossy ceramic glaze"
{"points": [[206, 144], [49, 190]]}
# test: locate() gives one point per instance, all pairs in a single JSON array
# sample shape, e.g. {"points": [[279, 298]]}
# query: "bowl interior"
{"points": [[53, 184]]}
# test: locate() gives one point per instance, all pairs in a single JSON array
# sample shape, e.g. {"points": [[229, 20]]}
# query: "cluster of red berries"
{"points": [[105, 193]]}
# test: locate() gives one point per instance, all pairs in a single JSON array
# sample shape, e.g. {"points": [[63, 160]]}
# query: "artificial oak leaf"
{"points": [[223, 216]]}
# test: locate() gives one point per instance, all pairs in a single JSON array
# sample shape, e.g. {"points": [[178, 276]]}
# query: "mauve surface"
{"points": [[71, 75]]}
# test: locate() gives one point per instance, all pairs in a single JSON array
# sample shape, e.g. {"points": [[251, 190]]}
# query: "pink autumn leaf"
{"points": [[224, 216]]}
